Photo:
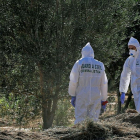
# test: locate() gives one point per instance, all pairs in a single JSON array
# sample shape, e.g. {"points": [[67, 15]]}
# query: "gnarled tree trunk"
{"points": [[127, 102], [48, 112], [49, 103]]}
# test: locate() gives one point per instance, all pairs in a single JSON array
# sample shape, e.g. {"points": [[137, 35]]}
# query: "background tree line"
{"points": [[41, 40]]}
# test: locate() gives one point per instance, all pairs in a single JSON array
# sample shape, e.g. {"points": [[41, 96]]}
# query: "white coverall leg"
{"points": [[83, 111], [94, 110]]}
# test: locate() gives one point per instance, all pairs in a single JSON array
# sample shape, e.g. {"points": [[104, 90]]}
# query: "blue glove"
{"points": [[122, 97], [73, 99], [103, 104]]}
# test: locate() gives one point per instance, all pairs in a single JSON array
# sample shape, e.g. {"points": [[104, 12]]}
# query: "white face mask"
{"points": [[132, 52]]}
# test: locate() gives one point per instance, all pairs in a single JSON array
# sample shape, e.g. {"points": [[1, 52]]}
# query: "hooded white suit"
{"points": [[131, 69], [88, 82]]}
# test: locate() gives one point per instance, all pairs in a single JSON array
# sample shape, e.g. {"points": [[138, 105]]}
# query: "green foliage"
{"points": [[3, 107], [19, 108], [64, 115], [41, 40]]}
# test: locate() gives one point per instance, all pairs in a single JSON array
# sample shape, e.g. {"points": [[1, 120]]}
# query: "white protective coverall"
{"points": [[131, 69], [88, 82]]}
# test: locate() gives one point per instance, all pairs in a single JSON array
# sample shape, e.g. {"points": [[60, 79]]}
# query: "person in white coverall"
{"points": [[131, 69], [88, 86]]}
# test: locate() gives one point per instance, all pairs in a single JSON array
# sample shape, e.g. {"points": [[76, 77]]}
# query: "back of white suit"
{"points": [[88, 82]]}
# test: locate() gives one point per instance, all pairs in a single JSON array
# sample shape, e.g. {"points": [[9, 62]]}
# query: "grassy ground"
{"points": [[124, 126]]}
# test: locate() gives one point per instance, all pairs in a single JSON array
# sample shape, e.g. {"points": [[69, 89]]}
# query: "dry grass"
{"points": [[124, 126]]}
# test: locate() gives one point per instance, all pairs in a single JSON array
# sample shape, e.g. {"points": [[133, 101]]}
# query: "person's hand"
{"points": [[73, 99], [122, 97], [104, 103]]}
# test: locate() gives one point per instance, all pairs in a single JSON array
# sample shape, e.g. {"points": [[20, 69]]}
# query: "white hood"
{"points": [[134, 42], [87, 51]]}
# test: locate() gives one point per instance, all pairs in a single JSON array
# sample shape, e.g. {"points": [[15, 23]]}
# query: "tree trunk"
{"points": [[119, 103], [127, 102], [48, 112], [49, 105]]}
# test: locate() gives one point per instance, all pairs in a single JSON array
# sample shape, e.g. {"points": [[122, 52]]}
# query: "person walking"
{"points": [[131, 70], [88, 86]]}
